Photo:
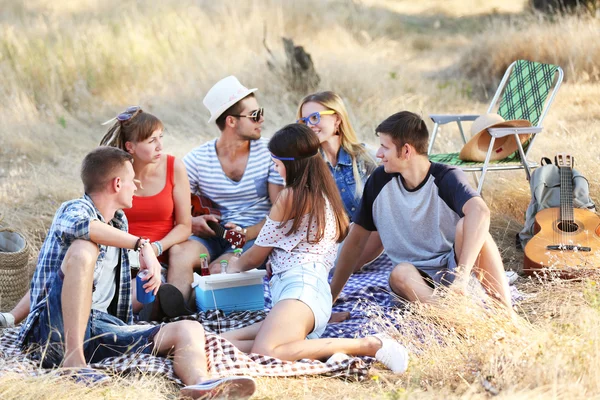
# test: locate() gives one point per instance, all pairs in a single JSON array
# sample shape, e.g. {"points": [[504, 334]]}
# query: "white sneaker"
{"points": [[337, 357], [7, 320], [512, 276], [231, 387], [392, 354]]}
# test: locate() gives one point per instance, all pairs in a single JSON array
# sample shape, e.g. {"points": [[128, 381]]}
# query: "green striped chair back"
{"points": [[526, 91]]}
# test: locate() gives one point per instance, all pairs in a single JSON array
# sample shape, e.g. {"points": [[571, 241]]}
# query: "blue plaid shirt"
{"points": [[72, 222]]}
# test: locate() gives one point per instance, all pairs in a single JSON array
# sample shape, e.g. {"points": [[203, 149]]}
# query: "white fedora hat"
{"points": [[223, 95], [476, 148]]}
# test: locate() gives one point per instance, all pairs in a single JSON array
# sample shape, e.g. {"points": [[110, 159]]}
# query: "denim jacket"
{"points": [[344, 179]]}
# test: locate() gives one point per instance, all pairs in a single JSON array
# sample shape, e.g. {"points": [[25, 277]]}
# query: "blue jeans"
{"points": [[217, 246], [105, 335]]}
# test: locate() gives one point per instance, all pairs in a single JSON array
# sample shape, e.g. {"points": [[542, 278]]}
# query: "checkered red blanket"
{"points": [[225, 359]]}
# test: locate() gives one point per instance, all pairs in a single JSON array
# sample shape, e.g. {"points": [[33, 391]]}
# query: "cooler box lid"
{"points": [[223, 281]]}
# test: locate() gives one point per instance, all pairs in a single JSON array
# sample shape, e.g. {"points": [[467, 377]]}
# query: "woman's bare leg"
{"points": [[283, 335], [243, 338]]}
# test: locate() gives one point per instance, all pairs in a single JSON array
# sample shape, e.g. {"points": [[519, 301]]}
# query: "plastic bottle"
{"points": [[204, 271], [237, 253], [224, 265]]}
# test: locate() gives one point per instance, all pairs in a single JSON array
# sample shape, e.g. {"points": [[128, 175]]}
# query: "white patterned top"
{"points": [[293, 250]]}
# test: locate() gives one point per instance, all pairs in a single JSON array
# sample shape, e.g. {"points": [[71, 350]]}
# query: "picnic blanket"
{"points": [[369, 286]]}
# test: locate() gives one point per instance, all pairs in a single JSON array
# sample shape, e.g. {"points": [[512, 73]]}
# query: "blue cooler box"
{"points": [[231, 292]]}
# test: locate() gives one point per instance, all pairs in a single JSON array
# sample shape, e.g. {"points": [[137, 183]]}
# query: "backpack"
{"points": [[545, 193]]}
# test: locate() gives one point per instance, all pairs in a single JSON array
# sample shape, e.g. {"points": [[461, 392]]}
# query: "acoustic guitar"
{"points": [[567, 240], [204, 206]]}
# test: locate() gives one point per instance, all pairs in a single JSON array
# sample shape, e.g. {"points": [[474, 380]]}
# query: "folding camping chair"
{"points": [[527, 89]]}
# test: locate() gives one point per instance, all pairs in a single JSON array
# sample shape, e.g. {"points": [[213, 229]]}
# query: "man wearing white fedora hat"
{"points": [[433, 224], [234, 171]]}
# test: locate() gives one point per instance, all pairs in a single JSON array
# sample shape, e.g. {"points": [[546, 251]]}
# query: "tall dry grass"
{"points": [[67, 66], [569, 42], [468, 347]]}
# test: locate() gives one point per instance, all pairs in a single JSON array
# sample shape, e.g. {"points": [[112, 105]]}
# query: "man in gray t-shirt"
{"points": [[433, 225]]}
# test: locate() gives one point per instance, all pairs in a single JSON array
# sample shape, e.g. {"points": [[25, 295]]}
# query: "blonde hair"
{"points": [[348, 138]]}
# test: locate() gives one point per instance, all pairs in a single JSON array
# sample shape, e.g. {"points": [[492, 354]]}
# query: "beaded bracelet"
{"points": [[158, 247], [141, 242], [136, 246]]}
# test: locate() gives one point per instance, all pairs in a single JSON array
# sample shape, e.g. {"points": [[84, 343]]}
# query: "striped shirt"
{"points": [[245, 203], [72, 222]]}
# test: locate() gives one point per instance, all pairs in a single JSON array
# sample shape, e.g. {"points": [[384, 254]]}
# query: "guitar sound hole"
{"points": [[568, 226]]}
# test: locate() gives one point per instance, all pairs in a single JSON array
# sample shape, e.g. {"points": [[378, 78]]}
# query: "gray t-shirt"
{"points": [[105, 282], [416, 226]]}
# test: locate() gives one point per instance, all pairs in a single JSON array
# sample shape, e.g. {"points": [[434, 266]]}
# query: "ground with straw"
{"points": [[68, 66]]}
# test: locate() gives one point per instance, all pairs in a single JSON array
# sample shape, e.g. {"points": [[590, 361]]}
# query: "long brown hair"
{"points": [[310, 181], [138, 128], [348, 138]]}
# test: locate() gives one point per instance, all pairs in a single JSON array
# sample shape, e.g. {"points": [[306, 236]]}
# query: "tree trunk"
{"points": [[301, 74]]}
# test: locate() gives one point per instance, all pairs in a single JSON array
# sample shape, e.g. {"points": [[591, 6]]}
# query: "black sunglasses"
{"points": [[255, 115]]}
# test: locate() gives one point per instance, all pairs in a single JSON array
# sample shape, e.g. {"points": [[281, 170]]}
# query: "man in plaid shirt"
{"points": [[81, 293]]}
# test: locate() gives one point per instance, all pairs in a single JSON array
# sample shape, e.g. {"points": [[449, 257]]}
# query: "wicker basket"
{"points": [[14, 276]]}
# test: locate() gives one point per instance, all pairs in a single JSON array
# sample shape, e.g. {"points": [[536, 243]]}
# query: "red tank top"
{"points": [[154, 216]]}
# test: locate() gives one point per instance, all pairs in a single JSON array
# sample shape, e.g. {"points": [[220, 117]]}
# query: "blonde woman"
{"points": [[348, 160]]}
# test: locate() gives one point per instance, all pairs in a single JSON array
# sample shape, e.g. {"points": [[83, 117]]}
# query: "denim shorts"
{"points": [[307, 283], [216, 246], [105, 335]]}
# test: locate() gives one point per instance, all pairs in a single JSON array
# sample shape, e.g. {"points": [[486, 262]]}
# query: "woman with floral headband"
{"points": [[161, 205], [348, 160], [300, 238]]}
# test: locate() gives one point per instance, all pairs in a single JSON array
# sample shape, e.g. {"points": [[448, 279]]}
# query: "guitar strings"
{"points": [[560, 238]]}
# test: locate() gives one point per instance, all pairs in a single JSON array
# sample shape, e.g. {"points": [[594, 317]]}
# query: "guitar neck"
{"points": [[217, 228], [566, 194]]}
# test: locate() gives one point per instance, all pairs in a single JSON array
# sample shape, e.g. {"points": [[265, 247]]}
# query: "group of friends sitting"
{"points": [[298, 198]]}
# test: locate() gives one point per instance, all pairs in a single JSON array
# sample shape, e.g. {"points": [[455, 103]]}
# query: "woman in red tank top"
{"points": [[161, 205]]}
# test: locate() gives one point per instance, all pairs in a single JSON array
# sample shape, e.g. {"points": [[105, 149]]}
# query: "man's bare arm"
{"points": [[349, 257], [104, 234], [476, 227], [274, 191]]}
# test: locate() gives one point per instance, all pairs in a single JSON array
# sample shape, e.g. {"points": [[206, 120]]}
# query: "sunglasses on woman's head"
{"points": [[314, 118], [255, 115], [128, 114]]}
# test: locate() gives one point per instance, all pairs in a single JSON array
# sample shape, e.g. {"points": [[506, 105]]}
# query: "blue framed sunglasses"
{"points": [[129, 113], [314, 118]]}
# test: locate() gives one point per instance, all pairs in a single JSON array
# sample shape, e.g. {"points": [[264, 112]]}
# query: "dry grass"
{"points": [[482, 351], [568, 42], [67, 66]]}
